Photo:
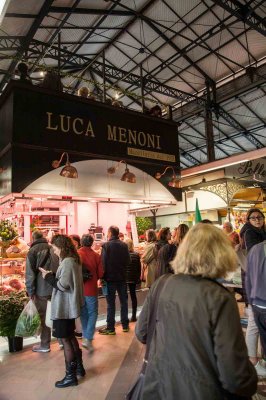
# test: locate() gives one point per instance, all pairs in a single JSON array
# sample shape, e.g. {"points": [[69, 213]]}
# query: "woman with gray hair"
{"points": [[197, 349], [89, 312]]}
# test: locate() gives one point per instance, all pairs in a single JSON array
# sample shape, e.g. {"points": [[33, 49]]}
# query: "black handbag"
{"points": [[135, 392], [86, 274]]}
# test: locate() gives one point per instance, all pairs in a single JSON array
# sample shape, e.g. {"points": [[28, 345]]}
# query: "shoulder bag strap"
{"points": [[153, 313], [45, 258]]}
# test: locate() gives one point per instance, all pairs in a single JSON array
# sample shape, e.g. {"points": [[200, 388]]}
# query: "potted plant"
{"points": [[8, 232], [11, 306]]}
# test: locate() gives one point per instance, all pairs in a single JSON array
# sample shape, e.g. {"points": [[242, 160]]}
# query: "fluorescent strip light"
{"points": [[3, 7], [224, 162]]}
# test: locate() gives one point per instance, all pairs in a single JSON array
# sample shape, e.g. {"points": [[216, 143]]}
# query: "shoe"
{"points": [[70, 378], [80, 367], [126, 329], [105, 331], [40, 349], [90, 347], [78, 334], [60, 343], [261, 371], [85, 343], [133, 318]]}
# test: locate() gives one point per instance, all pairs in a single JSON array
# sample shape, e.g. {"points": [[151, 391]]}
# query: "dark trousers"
{"points": [[260, 319], [121, 289], [41, 305], [133, 296]]}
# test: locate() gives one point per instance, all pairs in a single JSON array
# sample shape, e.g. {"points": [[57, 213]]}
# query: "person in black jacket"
{"points": [[115, 258], [40, 255], [251, 234], [133, 271]]}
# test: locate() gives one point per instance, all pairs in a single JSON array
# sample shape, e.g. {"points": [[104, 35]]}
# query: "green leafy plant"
{"points": [[11, 307], [8, 231], [143, 223]]}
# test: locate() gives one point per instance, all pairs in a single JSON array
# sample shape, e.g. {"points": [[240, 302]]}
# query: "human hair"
{"points": [[87, 240], [163, 232], [83, 91], [66, 246], [114, 230], [37, 234], [151, 235], [206, 221], [76, 238], [130, 244], [227, 223], [181, 232], [52, 81], [252, 210], [205, 251]]}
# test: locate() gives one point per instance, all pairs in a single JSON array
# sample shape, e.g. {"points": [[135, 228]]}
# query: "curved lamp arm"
{"points": [[111, 170], [56, 163], [158, 175]]}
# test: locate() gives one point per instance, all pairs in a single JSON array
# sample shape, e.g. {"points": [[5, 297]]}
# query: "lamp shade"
{"points": [[128, 176], [175, 182], [69, 171]]}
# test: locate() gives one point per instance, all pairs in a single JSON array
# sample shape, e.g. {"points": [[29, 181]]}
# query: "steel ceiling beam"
{"points": [[92, 11], [244, 13], [26, 40], [235, 124], [77, 60]]}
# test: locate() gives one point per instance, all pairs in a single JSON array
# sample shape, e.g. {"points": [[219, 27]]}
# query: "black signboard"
{"points": [[37, 125], [76, 124]]}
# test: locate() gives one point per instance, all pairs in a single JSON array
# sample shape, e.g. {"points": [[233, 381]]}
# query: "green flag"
{"points": [[197, 213]]}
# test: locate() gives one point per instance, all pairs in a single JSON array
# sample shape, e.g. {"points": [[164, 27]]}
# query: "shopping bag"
{"points": [[48, 321], [29, 321]]}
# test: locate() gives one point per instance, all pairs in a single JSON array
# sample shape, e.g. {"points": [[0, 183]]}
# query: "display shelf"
{"points": [[12, 275]]}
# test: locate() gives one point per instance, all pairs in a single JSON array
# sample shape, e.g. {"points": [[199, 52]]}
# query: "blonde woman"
{"points": [[197, 350]]}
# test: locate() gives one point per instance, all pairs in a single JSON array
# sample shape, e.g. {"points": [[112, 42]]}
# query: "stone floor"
{"points": [[111, 369]]}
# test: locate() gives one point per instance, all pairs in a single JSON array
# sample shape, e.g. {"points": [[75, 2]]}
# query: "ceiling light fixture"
{"points": [[174, 182], [68, 171], [127, 175]]}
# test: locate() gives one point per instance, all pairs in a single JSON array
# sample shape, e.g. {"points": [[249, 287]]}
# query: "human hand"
{"points": [[43, 272], [33, 297]]}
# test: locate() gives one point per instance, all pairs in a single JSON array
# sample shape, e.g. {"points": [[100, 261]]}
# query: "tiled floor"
{"points": [[26, 375], [111, 369]]}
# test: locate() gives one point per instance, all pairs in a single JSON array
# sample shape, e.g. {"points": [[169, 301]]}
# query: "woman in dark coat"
{"points": [[197, 349], [168, 251], [252, 233], [133, 271]]}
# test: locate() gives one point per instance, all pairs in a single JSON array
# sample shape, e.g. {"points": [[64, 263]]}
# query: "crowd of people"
{"points": [[192, 340]]}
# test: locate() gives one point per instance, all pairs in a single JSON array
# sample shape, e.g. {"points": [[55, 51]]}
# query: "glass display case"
{"points": [[12, 275]]}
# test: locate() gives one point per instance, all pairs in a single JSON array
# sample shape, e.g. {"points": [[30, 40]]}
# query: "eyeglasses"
{"points": [[256, 218]]}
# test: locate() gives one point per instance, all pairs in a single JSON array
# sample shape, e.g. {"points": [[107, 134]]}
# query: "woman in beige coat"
{"points": [[148, 258]]}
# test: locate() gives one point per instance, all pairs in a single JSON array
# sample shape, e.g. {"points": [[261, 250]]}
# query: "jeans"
{"points": [[121, 288], [252, 334], [41, 305], [89, 314], [260, 319]]}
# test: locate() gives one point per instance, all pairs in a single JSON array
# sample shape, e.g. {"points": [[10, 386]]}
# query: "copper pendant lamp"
{"points": [[68, 171]]}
